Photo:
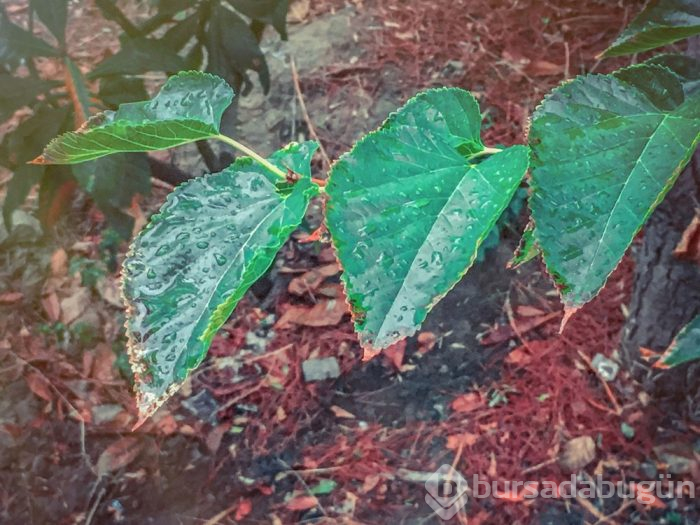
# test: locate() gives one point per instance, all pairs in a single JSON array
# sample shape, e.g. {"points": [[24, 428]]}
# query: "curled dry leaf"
{"points": [[689, 246], [577, 453]]}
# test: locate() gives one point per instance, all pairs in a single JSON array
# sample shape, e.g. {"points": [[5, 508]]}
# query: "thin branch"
{"points": [[305, 114]]}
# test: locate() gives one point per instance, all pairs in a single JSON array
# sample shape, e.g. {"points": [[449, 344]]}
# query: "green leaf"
{"points": [[77, 90], [17, 43], [686, 68], [606, 149], [53, 14], [185, 273], [140, 55], [181, 33], [409, 207], [187, 108], [273, 12], [660, 23], [323, 487], [685, 347], [16, 92], [117, 89], [22, 181], [527, 249], [23, 143], [232, 47]]}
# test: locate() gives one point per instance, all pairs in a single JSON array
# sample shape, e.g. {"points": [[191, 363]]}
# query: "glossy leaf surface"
{"points": [[185, 273], [685, 347], [660, 23], [409, 207], [686, 68], [605, 150], [187, 108]]}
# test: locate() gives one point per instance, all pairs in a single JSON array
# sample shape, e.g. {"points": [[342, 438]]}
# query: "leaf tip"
{"points": [[41, 160]]}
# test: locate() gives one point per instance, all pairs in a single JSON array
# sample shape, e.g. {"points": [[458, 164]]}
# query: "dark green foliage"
{"points": [[660, 23], [194, 30]]}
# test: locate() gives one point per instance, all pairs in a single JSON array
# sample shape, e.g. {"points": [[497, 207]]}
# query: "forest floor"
{"points": [[488, 386]]}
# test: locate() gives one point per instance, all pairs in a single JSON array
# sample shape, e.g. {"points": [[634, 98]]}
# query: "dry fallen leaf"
{"points": [[118, 455], [465, 439], [324, 313], [426, 342], [74, 305], [298, 11], [311, 280], [59, 263], [11, 297], [51, 306], [302, 503], [39, 386], [342, 413], [245, 507], [467, 402], [395, 353], [689, 246], [543, 68], [108, 288], [577, 453]]}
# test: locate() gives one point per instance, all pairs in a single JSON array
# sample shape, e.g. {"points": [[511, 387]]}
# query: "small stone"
{"points": [[320, 369], [607, 368]]}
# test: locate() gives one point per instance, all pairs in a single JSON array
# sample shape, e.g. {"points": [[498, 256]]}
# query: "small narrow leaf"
{"points": [[527, 249], [685, 347], [187, 108], [185, 273], [53, 14], [233, 50], [606, 150], [139, 55], [409, 207], [17, 43], [660, 23]]}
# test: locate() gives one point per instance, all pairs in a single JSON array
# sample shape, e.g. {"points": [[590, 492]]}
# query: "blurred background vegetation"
{"points": [[48, 87]]}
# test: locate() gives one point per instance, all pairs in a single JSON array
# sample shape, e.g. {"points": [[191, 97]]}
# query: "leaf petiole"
{"points": [[245, 149], [485, 151]]}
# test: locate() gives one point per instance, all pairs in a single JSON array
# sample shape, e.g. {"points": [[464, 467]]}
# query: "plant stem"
{"points": [[485, 151], [245, 149]]}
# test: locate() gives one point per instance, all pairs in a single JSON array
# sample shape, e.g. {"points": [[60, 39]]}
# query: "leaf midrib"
{"points": [[233, 260], [380, 330]]}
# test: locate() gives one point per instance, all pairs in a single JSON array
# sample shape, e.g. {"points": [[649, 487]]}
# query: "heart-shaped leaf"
{"points": [[606, 149], [660, 23], [212, 239], [187, 108], [409, 207], [685, 347]]}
